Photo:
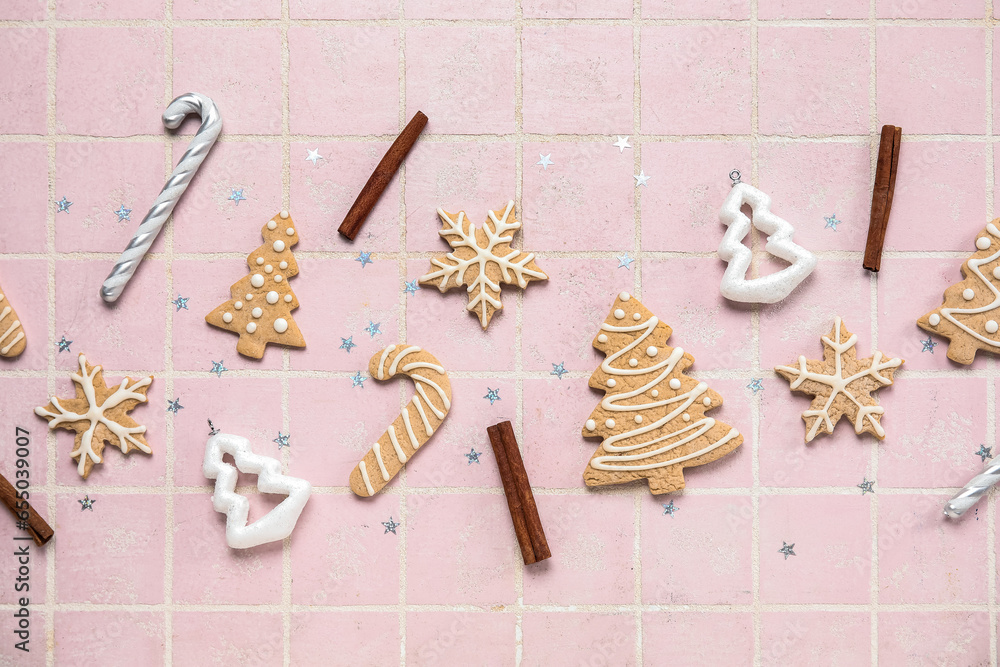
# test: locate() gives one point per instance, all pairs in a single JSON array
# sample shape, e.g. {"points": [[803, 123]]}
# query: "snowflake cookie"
{"points": [[841, 384], [481, 260], [99, 415]]}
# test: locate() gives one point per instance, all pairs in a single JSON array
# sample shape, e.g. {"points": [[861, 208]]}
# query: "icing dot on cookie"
{"points": [[591, 424], [278, 245], [992, 326], [675, 384], [619, 313], [288, 298], [633, 362], [251, 327], [654, 393], [227, 317], [638, 419], [968, 294], [610, 423], [257, 280], [283, 265], [651, 351], [280, 325], [636, 316], [271, 224], [268, 269], [272, 297], [290, 231], [934, 320], [611, 382], [256, 312], [707, 401], [686, 417], [238, 305], [602, 338], [249, 297], [983, 242], [260, 260], [284, 215], [277, 279], [996, 272], [624, 296]]}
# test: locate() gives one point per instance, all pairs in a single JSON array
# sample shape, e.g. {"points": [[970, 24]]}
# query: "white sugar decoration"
{"points": [[766, 289], [273, 526]]}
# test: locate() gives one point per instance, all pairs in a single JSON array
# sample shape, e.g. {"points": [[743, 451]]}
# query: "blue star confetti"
{"points": [[624, 261], [180, 302], [756, 385], [985, 453], [357, 380], [391, 526], [559, 370], [866, 486], [63, 205], [347, 344], [545, 161], [670, 508], [64, 344], [832, 222], [411, 287], [282, 440], [787, 549], [473, 456], [123, 213], [365, 258], [87, 503], [174, 405], [236, 195], [492, 394], [218, 368], [928, 345], [373, 328]]}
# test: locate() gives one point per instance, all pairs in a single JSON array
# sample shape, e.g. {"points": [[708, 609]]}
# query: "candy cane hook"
{"points": [[201, 144]]}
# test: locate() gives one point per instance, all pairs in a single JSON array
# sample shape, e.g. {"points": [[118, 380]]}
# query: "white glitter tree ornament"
{"points": [[775, 286]]}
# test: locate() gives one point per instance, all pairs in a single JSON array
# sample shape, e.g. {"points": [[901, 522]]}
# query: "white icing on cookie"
{"points": [[251, 327], [227, 317], [281, 325], [272, 297], [257, 281], [279, 246], [983, 243]]}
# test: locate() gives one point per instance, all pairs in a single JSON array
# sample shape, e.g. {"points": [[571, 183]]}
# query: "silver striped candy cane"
{"points": [[201, 144], [974, 490]]}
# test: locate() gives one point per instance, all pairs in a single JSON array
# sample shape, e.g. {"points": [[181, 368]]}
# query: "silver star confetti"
{"points": [[624, 261], [174, 405], [218, 368], [473, 456], [756, 385], [866, 486], [670, 508], [928, 345], [64, 344], [357, 380], [282, 439], [545, 161], [391, 526], [373, 328], [558, 370], [984, 453], [411, 286], [236, 196], [87, 503], [622, 144], [63, 205], [492, 394], [641, 178], [832, 222], [123, 213], [365, 258], [180, 302], [348, 344], [313, 156], [787, 549]]}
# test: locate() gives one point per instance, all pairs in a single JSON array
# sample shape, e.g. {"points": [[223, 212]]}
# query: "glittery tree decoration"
{"points": [[261, 304]]}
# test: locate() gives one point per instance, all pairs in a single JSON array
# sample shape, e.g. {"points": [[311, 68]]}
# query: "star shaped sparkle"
{"points": [[64, 344], [347, 344], [670, 508], [282, 439], [866, 486], [545, 161], [411, 286], [357, 380], [624, 261], [313, 156], [641, 178], [87, 503], [622, 144], [365, 258], [174, 405], [218, 368], [832, 222], [180, 302], [236, 195], [473, 456], [928, 345], [63, 205], [391, 526], [559, 370], [756, 385], [492, 394], [787, 549], [373, 328], [985, 452], [123, 213]]}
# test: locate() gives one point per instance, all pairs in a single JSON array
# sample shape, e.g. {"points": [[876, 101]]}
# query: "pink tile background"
{"points": [[790, 92]]}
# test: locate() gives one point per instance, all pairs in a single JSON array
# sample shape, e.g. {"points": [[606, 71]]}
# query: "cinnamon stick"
{"points": [[380, 178], [520, 499], [882, 193], [36, 526]]}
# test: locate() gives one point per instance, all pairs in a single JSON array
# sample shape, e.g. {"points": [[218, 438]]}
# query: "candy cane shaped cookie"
{"points": [[423, 415], [12, 339]]}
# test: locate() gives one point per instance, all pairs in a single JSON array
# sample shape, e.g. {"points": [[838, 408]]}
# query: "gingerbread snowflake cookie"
{"points": [[841, 384], [969, 316], [99, 415], [481, 260]]}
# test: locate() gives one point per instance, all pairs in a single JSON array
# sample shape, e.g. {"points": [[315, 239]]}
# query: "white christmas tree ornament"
{"points": [[765, 289]]}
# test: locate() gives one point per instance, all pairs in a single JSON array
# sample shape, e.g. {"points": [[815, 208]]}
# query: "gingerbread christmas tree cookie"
{"points": [[969, 316], [99, 415], [12, 341], [481, 260], [841, 384], [652, 420], [261, 304]]}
